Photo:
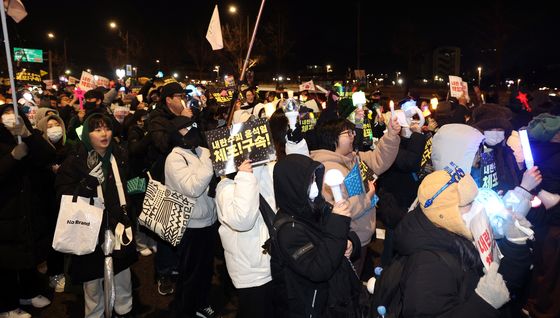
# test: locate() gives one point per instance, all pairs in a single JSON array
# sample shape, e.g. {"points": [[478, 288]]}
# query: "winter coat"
{"points": [[164, 130], [379, 160], [25, 237], [71, 180], [190, 174], [243, 231], [401, 180], [311, 273], [434, 287]]}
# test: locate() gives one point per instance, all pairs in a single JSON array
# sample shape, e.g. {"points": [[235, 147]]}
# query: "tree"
{"points": [[278, 40], [235, 47]]}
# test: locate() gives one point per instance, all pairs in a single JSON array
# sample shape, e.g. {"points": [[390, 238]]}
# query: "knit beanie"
{"points": [[491, 116], [543, 127], [444, 210]]}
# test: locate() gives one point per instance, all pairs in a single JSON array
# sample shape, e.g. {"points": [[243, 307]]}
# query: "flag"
{"points": [[353, 182], [15, 9], [214, 33]]}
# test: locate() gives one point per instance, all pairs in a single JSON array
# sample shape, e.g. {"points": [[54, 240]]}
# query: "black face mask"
{"points": [[90, 105]]}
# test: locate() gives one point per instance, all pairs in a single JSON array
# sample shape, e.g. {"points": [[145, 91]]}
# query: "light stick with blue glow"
{"points": [[526, 147]]}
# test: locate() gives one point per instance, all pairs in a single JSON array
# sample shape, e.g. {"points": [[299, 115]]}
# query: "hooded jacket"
{"points": [[311, 273], [25, 237], [243, 231], [190, 174], [379, 160], [456, 143]]}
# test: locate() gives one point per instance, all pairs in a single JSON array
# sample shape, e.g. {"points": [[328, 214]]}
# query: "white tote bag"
{"points": [[78, 224], [165, 212]]}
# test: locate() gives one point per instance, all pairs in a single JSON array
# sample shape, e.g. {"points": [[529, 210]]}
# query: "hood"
{"points": [[456, 143], [42, 126], [323, 155], [42, 112], [547, 157], [292, 179]]}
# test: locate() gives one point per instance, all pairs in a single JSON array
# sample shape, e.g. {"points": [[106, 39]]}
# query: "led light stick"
{"points": [[334, 178], [526, 147]]}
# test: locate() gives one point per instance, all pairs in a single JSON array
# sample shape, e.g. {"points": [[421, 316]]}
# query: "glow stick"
{"points": [[392, 107], [526, 147], [334, 178]]}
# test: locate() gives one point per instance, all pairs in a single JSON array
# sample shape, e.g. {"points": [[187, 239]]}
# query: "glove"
{"points": [[492, 288], [20, 151], [295, 135], [19, 129], [518, 231], [97, 173]]}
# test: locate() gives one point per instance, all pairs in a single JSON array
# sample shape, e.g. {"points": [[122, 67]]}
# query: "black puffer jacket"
{"points": [[433, 287], [24, 233], [311, 275]]}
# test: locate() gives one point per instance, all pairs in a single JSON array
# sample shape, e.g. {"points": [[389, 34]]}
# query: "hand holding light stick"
{"points": [[334, 178], [526, 147], [392, 107]]}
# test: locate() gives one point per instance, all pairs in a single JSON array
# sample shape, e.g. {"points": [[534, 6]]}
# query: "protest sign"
{"points": [[455, 86], [248, 140], [308, 121], [87, 82], [48, 84], [102, 81], [72, 80], [307, 86], [28, 77]]}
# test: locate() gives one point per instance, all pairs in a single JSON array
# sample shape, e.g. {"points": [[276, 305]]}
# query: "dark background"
{"points": [[516, 39]]}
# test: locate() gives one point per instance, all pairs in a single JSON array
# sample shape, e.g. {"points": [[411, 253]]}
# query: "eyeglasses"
{"points": [[350, 133], [455, 173]]}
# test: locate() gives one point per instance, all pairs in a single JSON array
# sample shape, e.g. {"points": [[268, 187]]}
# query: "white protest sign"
{"points": [[455, 86], [87, 82], [72, 80], [307, 86], [102, 81], [466, 91]]}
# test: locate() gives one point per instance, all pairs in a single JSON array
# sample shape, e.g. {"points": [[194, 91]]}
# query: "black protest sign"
{"points": [[29, 77], [308, 121], [249, 140], [489, 174]]}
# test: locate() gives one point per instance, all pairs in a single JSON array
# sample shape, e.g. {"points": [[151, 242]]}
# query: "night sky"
{"points": [[322, 32]]}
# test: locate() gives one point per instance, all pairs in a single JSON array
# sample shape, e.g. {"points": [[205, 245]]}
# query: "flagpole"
{"points": [[232, 110], [10, 66]]}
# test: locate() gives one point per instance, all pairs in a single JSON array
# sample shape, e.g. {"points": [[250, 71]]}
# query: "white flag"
{"points": [[15, 9], [214, 34]]}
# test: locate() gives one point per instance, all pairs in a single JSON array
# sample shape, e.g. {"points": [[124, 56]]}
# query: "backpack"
{"points": [[388, 291]]}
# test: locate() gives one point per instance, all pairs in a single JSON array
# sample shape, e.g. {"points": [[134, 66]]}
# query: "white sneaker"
{"points": [[16, 313], [58, 282], [39, 301]]}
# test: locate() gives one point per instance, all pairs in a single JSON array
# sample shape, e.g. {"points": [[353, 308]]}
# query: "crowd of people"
{"points": [[293, 245]]}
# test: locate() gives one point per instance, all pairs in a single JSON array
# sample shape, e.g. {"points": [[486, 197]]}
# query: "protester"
{"points": [[88, 171]]}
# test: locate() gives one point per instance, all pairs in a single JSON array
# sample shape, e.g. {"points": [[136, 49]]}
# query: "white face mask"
{"points": [[54, 133], [493, 137], [313, 191], [9, 120]]}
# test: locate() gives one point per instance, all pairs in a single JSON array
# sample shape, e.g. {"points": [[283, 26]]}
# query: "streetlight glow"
{"points": [[175, 75], [67, 72], [113, 25], [50, 35], [232, 9]]}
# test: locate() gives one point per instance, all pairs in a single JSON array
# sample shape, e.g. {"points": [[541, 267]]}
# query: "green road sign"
{"points": [[28, 55]]}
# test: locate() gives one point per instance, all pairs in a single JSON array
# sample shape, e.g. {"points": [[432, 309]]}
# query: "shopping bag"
{"points": [[78, 224], [165, 212]]}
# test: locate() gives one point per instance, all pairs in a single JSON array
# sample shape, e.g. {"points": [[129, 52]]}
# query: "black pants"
{"points": [[256, 302], [196, 267], [17, 284]]}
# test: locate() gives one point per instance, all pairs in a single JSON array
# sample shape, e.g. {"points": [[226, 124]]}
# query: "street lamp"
{"points": [[50, 35], [217, 70], [479, 74], [113, 25], [518, 81], [67, 72], [232, 9]]}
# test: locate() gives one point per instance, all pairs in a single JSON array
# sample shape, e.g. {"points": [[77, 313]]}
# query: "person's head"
{"points": [[249, 95], [97, 133], [64, 101], [278, 128], [494, 122], [545, 128], [120, 113], [53, 101], [337, 135], [92, 99], [139, 118], [270, 96], [298, 181], [53, 129], [173, 95], [154, 96], [445, 195]]}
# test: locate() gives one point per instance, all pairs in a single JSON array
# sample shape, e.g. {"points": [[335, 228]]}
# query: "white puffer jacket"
{"points": [[190, 175], [242, 230]]}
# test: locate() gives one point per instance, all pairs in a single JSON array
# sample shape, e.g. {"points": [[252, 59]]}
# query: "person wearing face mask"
{"points": [[25, 238], [443, 274], [313, 244], [497, 168], [54, 133], [93, 103]]}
